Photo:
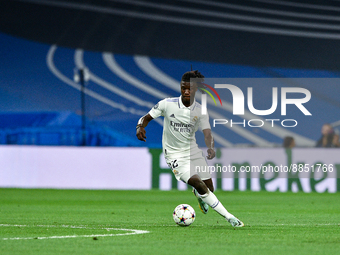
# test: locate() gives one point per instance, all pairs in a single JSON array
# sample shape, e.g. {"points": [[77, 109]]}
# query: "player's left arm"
{"points": [[209, 142]]}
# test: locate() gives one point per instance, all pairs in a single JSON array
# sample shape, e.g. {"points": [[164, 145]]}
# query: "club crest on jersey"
{"points": [[195, 119]]}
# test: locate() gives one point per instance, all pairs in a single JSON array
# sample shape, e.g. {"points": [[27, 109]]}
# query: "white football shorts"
{"points": [[184, 168]]}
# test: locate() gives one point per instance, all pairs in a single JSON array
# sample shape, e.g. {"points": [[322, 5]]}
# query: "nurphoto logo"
{"points": [[238, 106]]}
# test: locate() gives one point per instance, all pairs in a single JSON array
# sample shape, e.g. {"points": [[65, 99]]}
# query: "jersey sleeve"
{"points": [[204, 122], [158, 109]]}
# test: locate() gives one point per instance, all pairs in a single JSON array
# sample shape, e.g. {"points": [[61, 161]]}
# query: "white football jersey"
{"points": [[180, 125]]}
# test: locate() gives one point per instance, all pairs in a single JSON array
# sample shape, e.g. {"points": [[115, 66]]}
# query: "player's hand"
{"points": [[211, 154], [140, 133]]}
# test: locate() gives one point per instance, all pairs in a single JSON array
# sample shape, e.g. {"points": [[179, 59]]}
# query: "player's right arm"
{"points": [[154, 113], [140, 129]]}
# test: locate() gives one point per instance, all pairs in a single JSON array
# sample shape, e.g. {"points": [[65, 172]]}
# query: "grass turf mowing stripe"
{"points": [[276, 223]]}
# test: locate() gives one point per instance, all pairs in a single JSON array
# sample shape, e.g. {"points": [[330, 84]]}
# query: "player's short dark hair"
{"points": [[194, 74]]}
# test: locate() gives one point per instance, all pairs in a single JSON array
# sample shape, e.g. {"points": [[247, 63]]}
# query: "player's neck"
{"points": [[187, 103]]}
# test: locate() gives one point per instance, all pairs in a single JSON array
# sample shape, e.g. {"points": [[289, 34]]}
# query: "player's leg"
{"points": [[209, 184], [196, 182], [182, 172], [204, 207], [209, 197], [200, 161]]}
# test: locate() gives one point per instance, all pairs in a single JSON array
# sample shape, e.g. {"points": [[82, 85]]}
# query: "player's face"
{"points": [[188, 91]]}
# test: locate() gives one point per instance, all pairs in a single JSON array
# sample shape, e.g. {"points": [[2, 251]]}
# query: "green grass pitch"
{"points": [[101, 222]]}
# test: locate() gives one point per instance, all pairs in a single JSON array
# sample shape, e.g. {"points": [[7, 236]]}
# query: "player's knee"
{"points": [[209, 184], [202, 188], [198, 184]]}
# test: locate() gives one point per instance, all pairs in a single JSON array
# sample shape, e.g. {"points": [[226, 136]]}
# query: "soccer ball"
{"points": [[184, 215]]}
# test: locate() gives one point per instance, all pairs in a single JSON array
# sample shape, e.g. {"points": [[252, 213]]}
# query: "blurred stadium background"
{"points": [[133, 54]]}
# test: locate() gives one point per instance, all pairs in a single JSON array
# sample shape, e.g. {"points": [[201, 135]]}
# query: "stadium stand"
{"points": [[129, 70], [120, 89]]}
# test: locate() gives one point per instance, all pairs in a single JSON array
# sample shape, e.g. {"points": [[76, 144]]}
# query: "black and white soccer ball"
{"points": [[184, 215]]}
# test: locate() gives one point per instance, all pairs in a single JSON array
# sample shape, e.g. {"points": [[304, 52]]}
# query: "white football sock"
{"points": [[215, 204]]}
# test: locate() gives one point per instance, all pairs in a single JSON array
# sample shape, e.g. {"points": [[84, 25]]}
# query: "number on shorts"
{"points": [[173, 164]]}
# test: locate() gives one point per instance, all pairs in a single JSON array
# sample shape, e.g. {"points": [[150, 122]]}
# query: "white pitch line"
{"points": [[136, 232], [131, 232]]}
